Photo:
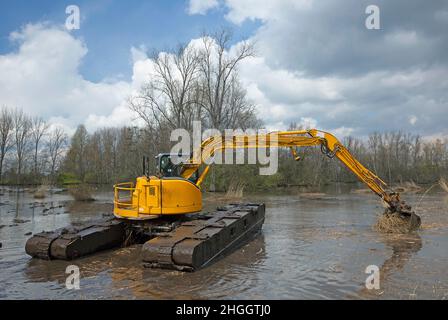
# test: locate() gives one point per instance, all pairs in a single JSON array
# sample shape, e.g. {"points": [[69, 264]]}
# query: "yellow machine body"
{"points": [[152, 197]]}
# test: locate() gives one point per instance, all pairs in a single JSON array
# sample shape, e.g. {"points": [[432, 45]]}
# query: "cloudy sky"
{"points": [[316, 64]]}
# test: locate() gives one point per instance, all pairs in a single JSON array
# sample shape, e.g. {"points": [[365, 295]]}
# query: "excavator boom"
{"points": [[176, 188], [329, 144]]}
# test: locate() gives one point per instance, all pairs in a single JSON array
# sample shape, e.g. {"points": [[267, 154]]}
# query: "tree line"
{"points": [[112, 155], [396, 157], [30, 148]]}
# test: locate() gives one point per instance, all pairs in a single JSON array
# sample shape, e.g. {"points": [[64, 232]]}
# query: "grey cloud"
{"points": [[381, 78], [331, 38], [370, 104]]}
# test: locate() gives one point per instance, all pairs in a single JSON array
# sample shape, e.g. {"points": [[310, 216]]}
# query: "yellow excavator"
{"points": [[163, 211], [176, 188]]}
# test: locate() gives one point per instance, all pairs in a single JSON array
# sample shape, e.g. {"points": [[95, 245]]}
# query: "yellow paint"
{"points": [[153, 196]]}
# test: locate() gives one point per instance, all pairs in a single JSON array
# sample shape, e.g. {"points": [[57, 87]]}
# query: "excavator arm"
{"points": [[328, 143]]}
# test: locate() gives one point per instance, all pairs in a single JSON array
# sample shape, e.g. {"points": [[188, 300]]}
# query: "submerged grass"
{"points": [[443, 184], [41, 192], [396, 223], [236, 190], [81, 192], [408, 186]]}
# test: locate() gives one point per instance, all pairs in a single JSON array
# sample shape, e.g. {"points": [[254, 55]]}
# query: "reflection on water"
{"points": [[403, 248], [311, 246], [128, 278]]}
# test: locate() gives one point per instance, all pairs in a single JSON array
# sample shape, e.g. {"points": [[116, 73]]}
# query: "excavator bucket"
{"points": [[398, 217]]}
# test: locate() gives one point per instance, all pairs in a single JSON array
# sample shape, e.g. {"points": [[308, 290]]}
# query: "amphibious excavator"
{"points": [[163, 211]]}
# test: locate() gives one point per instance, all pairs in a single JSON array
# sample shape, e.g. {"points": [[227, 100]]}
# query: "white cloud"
{"points": [[402, 38], [307, 123], [42, 77], [342, 132], [240, 10], [138, 54], [201, 6], [283, 83]]}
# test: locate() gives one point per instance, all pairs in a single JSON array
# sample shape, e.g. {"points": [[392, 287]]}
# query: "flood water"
{"points": [[310, 247]]}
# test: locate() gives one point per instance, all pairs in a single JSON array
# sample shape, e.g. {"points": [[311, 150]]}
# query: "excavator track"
{"points": [[77, 241], [187, 244], [196, 243]]}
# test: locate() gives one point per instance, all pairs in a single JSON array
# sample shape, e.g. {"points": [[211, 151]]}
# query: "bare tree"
{"points": [[223, 98], [22, 133], [196, 82], [56, 145], [169, 96], [38, 130], [76, 159], [6, 139]]}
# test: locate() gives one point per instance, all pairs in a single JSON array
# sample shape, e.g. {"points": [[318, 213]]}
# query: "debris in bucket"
{"points": [[397, 223]]}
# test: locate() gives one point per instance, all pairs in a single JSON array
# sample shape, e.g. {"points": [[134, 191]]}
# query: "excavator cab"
{"points": [[167, 168]]}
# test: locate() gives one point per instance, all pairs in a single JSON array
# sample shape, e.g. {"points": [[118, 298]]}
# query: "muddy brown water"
{"points": [[314, 246]]}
